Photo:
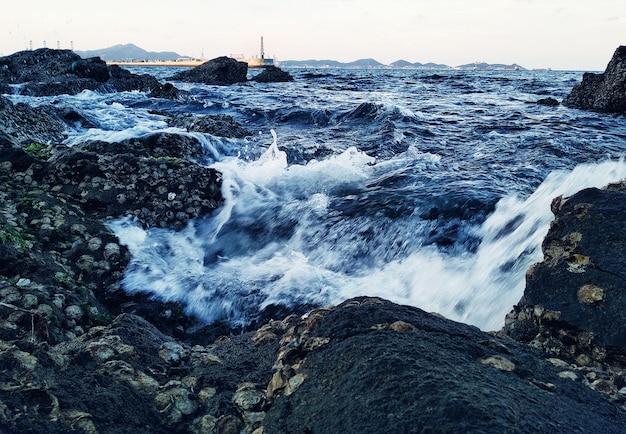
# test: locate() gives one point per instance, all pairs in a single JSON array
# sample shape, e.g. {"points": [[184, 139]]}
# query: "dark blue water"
{"points": [[429, 188]]}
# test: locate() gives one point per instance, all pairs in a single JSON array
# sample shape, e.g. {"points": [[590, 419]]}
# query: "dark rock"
{"points": [[549, 102], [129, 377], [123, 80], [582, 275], [169, 91], [149, 178], [221, 71], [372, 366], [273, 74], [46, 72], [217, 125], [24, 124], [604, 92]]}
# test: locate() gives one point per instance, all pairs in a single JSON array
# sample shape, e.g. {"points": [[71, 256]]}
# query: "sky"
{"points": [[557, 34]]}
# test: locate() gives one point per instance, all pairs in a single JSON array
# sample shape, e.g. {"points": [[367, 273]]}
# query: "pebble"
{"points": [[499, 362], [29, 301], [74, 312], [568, 374], [23, 282]]}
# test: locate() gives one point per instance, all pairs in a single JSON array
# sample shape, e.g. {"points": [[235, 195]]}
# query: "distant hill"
{"points": [[417, 65], [311, 63], [128, 52], [482, 66], [361, 63]]}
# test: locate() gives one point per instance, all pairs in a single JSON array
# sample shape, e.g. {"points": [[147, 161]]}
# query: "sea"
{"points": [[426, 188]]}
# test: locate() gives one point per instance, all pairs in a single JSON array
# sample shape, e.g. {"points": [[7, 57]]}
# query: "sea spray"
{"points": [[281, 239]]}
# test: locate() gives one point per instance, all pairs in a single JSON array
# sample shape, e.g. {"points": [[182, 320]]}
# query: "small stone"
{"points": [[568, 374], [58, 300], [294, 383], [583, 360], [603, 386], [23, 282], [111, 251], [85, 262], [277, 383], [206, 393], [28, 361], [204, 424], [29, 301], [590, 294], [94, 244], [177, 401], [74, 312], [249, 398], [172, 352], [45, 309], [401, 326], [558, 363], [499, 362]]}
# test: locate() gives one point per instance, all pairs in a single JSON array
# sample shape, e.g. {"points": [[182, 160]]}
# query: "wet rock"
{"points": [[548, 101], [272, 74], [152, 180], [582, 274], [217, 125], [219, 71], [169, 91], [33, 127], [602, 92], [54, 72], [440, 376]]}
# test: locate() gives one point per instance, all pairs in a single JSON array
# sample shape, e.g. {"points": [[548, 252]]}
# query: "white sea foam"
{"points": [[278, 240]]}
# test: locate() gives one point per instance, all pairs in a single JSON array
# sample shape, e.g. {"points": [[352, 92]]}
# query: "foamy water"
{"points": [[428, 189], [221, 269]]}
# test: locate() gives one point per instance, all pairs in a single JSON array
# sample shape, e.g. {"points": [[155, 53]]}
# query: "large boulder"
{"points": [[53, 72], [272, 74], [220, 71], [580, 282], [128, 377], [604, 92], [151, 178], [371, 366], [24, 124]]}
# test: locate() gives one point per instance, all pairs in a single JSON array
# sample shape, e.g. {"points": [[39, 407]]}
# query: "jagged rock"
{"points": [[548, 101], [273, 74], [169, 91], [128, 377], [582, 275], [358, 373], [21, 123], [221, 71], [604, 92], [150, 178], [54, 72], [217, 125]]}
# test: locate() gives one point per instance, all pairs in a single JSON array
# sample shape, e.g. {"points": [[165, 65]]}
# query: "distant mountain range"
{"points": [[128, 52]]}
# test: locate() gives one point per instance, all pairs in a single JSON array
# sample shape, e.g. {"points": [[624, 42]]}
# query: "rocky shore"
{"points": [[78, 354]]}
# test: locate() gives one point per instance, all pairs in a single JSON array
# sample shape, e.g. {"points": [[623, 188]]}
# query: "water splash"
{"points": [[282, 239]]}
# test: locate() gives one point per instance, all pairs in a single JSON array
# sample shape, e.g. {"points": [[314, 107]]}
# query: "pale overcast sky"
{"points": [[558, 34]]}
